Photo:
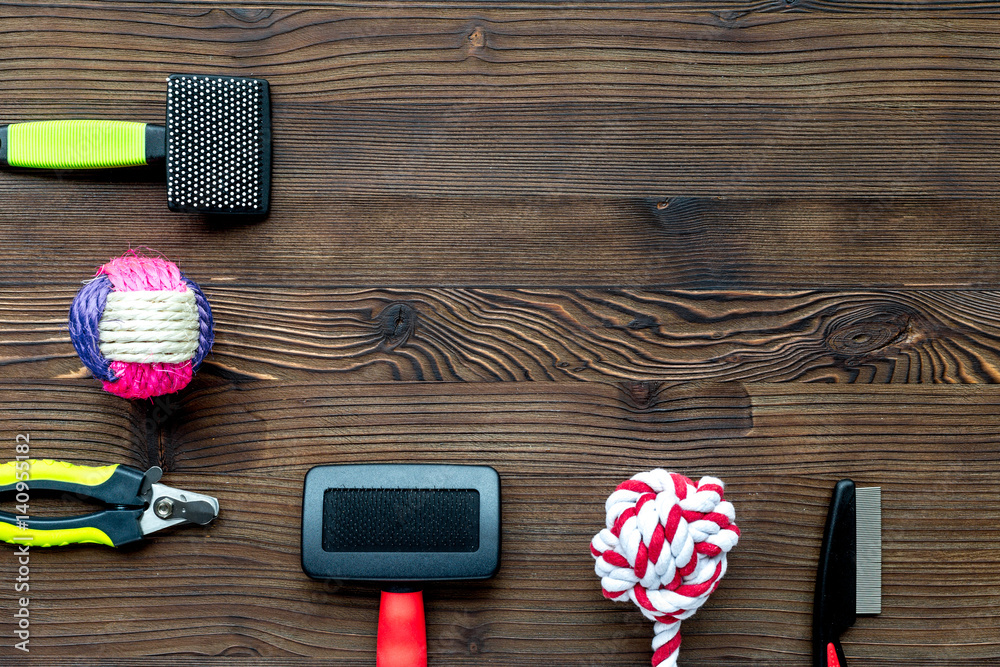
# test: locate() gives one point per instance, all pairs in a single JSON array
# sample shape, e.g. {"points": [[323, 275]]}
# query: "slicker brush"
{"points": [[216, 143]]}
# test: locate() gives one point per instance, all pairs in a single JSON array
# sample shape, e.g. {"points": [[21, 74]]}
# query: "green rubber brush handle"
{"points": [[116, 485], [80, 144]]}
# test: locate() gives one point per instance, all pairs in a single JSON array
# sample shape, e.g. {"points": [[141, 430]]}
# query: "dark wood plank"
{"points": [[322, 240], [677, 242], [944, 6], [73, 417], [638, 149], [600, 149], [609, 335], [726, 10], [235, 588], [486, 52], [503, 232], [472, 102]]}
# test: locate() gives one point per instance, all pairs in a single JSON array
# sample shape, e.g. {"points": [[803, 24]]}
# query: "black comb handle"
{"points": [[836, 580], [156, 143]]}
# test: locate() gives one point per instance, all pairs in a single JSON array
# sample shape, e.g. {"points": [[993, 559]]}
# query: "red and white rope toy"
{"points": [[665, 549]]}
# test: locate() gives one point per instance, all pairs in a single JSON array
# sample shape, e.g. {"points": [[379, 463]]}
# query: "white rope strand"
{"points": [[149, 326]]}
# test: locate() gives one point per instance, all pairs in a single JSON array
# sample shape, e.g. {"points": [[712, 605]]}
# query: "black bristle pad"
{"points": [[218, 144], [401, 520]]}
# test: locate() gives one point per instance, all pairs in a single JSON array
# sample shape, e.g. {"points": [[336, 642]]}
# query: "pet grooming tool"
{"points": [[216, 142], [401, 524], [139, 505], [849, 580]]}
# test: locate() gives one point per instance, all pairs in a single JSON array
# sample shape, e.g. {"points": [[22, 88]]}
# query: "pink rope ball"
{"points": [[141, 326]]}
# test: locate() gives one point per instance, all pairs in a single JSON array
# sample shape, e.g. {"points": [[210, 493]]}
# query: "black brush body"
{"points": [[401, 525], [218, 144]]}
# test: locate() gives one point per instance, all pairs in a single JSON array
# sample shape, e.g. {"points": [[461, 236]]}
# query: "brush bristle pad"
{"points": [[412, 520], [218, 144]]}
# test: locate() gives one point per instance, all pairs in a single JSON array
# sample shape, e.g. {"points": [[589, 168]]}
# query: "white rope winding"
{"points": [[664, 548], [156, 326]]}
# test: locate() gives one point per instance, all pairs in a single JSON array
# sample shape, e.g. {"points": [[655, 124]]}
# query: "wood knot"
{"points": [[678, 216], [477, 38], [474, 638], [862, 336], [640, 394], [690, 410], [248, 15], [642, 322], [396, 323], [727, 19]]}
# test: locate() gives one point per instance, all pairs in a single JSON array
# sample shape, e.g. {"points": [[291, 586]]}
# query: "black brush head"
{"points": [[394, 522], [218, 144]]}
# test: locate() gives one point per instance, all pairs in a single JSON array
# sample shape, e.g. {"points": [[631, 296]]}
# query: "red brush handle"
{"points": [[835, 655], [402, 634]]}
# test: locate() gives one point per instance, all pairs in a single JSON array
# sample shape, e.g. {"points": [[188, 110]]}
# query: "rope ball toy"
{"points": [[665, 549], [141, 326]]}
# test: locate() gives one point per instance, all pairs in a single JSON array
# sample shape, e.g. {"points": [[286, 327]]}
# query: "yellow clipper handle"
{"points": [[113, 484], [52, 537], [35, 470]]}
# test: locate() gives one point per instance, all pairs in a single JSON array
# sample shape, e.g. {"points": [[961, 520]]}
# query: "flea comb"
{"points": [[216, 143], [401, 524], [849, 580]]}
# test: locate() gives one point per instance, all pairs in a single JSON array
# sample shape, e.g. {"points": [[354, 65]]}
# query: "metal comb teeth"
{"points": [[868, 533], [218, 144]]}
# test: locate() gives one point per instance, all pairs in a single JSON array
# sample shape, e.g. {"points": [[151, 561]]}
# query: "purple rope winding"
{"points": [[84, 320], [206, 324]]}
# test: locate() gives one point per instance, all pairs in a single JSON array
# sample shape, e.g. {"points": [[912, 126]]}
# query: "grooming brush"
{"points": [[216, 143], [399, 525], [849, 580]]}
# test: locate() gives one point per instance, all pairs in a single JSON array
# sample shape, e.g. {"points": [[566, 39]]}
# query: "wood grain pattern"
{"points": [[322, 240], [487, 52], [609, 335], [486, 101], [606, 149], [572, 240], [251, 444], [726, 10], [72, 417]]}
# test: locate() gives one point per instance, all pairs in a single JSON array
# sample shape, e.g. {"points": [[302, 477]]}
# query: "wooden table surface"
{"points": [[571, 240]]}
